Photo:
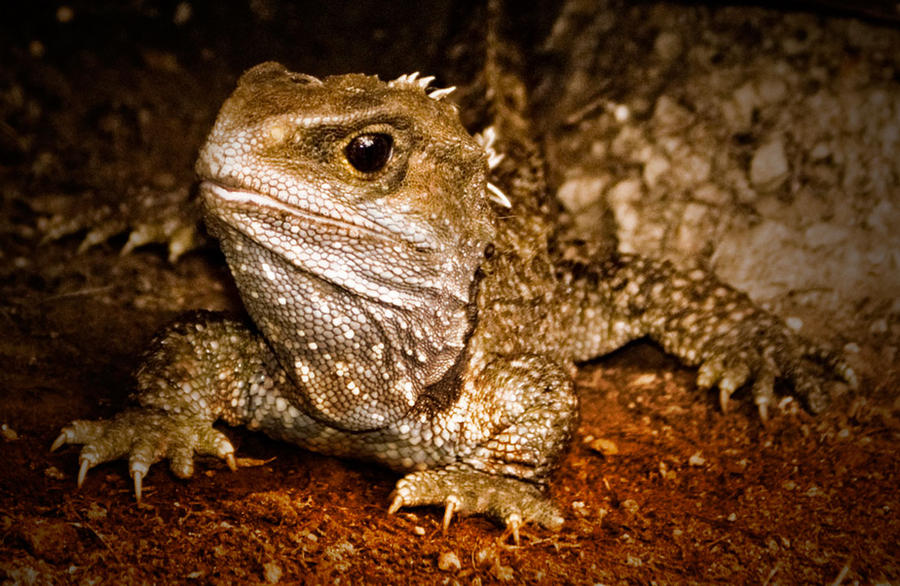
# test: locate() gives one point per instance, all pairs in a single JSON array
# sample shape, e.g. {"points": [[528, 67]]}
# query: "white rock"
{"points": [[771, 90], [656, 166], [769, 168], [629, 141], [668, 45], [711, 194], [694, 213], [693, 169], [820, 151], [627, 190], [879, 326], [448, 561], [622, 198], [825, 234], [764, 261], [621, 113], [744, 100], [581, 191], [669, 115]]}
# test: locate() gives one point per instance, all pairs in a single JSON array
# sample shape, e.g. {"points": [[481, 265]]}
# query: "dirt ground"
{"points": [[104, 101]]}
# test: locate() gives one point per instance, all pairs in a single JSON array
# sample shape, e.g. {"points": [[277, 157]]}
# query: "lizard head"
{"points": [[353, 213]]}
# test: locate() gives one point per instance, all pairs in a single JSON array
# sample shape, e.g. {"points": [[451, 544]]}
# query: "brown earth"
{"points": [[660, 486]]}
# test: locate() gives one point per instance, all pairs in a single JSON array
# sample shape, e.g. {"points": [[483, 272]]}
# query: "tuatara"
{"points": [[414, 303]]}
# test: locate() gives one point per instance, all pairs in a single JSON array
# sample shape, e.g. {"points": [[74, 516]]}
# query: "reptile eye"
{"points": [[369, 152]]}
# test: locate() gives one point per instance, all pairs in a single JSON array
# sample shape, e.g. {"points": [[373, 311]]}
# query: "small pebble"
{"points": [[272, 572], [604, 446], [8, 433], [54, 473], [503, 573], [183, 13], [95, 512], [449, 562], [631, 506], [879, 326], [769, 166], [795, 323], [65, 14], [668, 45], [580, 509]]}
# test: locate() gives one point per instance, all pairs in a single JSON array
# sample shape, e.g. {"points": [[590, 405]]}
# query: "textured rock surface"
{"points": [[768, 151]]}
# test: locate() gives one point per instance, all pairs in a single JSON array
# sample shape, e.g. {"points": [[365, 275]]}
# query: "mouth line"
{"points": [[245, 197]]}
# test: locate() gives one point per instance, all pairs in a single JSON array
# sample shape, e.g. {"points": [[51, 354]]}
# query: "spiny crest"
{"points": [[413, 80], [486, 140]]}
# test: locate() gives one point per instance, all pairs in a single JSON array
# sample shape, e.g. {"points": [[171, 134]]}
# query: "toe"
{"points": [[709, 372], [764, 393], [79, 432], [181, 460]]}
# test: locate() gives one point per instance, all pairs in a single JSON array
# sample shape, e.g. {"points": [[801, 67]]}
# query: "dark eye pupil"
{"points": [[369, 152]]}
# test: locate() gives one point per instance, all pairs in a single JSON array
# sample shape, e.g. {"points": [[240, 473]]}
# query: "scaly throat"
{"points": [[359, 361]]}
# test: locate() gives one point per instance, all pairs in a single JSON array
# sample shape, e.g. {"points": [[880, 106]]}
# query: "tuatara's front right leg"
{"points": [[519, 416], [200, 369]]}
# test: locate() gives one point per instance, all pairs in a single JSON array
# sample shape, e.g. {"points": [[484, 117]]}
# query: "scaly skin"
{"points": [[404, 311]]}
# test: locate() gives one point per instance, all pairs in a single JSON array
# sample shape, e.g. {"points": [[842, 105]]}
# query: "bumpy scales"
{"points": [[412, 304]]}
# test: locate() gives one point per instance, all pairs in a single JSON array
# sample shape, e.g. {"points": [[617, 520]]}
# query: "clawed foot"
{"points": [[511, 501], [146, 437], [165, 218], [781, 357]]}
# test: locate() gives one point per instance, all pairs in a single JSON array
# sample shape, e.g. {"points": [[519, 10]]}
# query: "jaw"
{"points": [[223, 200]]}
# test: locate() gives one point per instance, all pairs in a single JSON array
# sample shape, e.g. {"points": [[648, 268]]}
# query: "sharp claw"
{"points": [[395, 505], [763, 407], [82, 471], [724, 397], [60, 441], [452, 506], [138, 485], [230, 462], [513, 523]]}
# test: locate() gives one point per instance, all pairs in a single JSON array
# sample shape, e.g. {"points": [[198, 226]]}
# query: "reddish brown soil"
{"points": [[659, 485]]}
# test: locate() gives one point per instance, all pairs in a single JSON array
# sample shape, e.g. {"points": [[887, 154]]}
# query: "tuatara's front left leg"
{"points": [[705, 323]]}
